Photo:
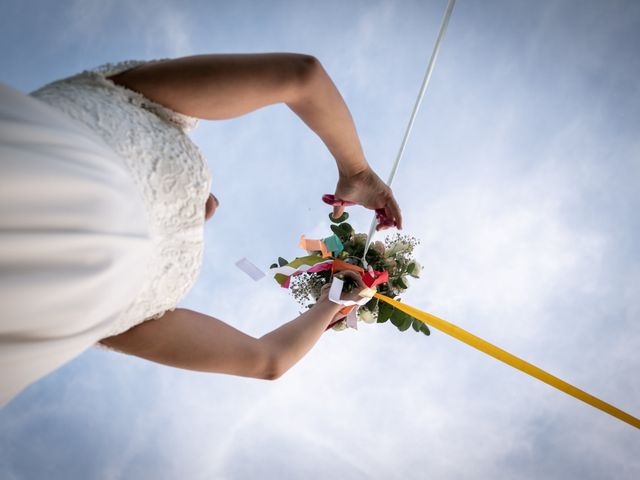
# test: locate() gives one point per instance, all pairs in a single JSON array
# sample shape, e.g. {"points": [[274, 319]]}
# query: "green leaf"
{"points": [[411, 268], [346, 228], [340, 219], [384, 312], [282, 262], [396, 317], [416, 324], [274, 265], [372, 304], [401, 320], [343, 231], [425, 329], [401, 283], [406, 323]]}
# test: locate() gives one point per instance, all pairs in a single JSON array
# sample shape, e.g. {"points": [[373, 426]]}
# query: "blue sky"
{"points": [[521, 179]]}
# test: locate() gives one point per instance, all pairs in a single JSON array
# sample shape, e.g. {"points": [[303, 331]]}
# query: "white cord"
{"points": [[423, 89]]}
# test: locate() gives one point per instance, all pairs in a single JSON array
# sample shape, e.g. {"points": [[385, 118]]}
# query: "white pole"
{"points": [[416, 107]]}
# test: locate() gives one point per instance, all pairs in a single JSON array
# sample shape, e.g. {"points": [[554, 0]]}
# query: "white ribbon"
{"points": [[288, 270], [334, 295], [336, 291], [250, 269]]}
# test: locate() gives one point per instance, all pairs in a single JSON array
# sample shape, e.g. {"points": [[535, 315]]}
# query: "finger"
{"points": [[391, 210], [338, 210], [385, 225], [335, 201], [395, 212], [386, 222], [328, 199], [389, 215], [383, 220]]}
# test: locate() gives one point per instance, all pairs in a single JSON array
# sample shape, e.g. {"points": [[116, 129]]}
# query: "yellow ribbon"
{"points": [[526, 367]]}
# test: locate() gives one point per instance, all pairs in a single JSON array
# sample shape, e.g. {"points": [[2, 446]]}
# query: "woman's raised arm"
{"points": [[222, 86]]}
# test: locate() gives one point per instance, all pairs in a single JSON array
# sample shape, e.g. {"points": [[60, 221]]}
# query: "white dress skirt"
{"points": [[101, 219]]}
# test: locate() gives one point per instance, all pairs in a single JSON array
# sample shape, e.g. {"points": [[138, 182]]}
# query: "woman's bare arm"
{"points": [[222, 86], [194, 341]]}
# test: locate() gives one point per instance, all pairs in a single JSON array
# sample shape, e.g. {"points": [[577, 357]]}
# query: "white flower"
{"points": [[405, 281], [417, 270], [378, 246], [341, 325], [366, 315]]}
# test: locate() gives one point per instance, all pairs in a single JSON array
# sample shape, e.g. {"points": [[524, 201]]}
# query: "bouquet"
{"points": [[305, 276]]}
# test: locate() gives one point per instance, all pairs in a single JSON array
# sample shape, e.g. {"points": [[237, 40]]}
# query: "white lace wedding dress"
{"points": [[102, 204]]}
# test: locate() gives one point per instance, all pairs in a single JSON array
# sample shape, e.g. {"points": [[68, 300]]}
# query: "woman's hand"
{"points": [[353, 294], [367, 189]]}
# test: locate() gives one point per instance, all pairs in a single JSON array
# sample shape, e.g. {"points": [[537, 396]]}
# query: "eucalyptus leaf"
{"points": [[282, 262], [399, 319], [346, 228], [274, 265], [425, 329], [406, 323], [416, 324], [372, 304], [340, 219], [343, 231], [384, 312], [401, 284]]}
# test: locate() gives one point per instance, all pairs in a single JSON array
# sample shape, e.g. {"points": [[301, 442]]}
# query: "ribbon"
{"points": [[313, 245], [328, 247], [511, 360], [297, 266], [250, 269], [352, 306], [370, 277], [334, 245]]}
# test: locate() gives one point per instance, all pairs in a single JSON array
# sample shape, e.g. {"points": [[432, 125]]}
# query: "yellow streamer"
{"points": [[526, 367]]}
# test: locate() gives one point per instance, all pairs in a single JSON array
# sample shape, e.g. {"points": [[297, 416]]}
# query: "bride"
{"points": [[103, 199]]}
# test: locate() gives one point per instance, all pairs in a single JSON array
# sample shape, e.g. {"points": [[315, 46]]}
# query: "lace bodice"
{"points": [[166, 166]]}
